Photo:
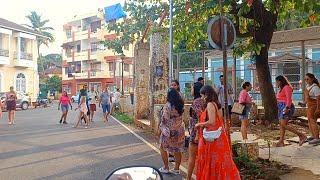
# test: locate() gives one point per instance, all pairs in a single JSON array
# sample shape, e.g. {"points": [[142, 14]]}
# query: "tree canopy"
{"points": [[255, 21]]}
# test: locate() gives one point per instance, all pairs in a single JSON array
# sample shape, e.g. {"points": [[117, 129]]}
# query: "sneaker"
{"points": [[64, 122], [86, 127], [163, 170], [60, 121], [175, 172], [314, 141]]}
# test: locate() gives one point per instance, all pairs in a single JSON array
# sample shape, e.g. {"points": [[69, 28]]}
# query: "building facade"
{"points": [[87, 62], [18, 59]]}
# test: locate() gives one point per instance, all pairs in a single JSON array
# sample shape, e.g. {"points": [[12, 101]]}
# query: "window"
{"points": [[111, 66], [316, 54], [292, 72], [23, 45], [68, 33], [67, 89], [21, 82], [0, 41], [126, 67], [78, 48], [68, 52]]}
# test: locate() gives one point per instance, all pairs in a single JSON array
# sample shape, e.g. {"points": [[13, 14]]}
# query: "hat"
{"points": [[200, 78]]}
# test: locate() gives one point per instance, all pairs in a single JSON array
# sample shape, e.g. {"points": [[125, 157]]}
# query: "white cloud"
{"points": [[57, 11]]}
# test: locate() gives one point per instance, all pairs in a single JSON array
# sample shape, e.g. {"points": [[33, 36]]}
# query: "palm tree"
{"points": [[38, 25]]}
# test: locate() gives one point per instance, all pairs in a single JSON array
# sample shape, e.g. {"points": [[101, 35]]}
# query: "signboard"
{"points": [[214, 32]]}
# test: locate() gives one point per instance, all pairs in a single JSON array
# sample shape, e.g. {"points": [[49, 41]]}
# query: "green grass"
{"points": [[123, 117]]}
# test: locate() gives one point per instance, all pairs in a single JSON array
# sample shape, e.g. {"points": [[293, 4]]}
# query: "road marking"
{"points": [[149, 144]]}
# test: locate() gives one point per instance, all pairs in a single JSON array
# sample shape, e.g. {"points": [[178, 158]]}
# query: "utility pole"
{"points": [[171, 42], [122, 87]]}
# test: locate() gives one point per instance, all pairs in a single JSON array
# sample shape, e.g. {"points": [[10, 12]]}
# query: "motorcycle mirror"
{"points": [[135, 173]]}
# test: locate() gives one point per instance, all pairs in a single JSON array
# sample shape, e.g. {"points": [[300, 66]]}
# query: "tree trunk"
{"points": [[264, 35], [266, 88]]}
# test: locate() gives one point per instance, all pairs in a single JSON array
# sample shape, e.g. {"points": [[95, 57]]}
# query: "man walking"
{"points": [[92, 95], [105, 101], [220, 91]]}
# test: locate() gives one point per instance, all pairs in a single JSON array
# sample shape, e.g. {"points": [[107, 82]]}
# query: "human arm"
{"points": [[70, 104], [59, 104], [288, 92], [211, 113]]}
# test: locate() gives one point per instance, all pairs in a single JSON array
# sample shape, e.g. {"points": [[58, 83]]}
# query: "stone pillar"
{"points": [[141, 78], [159, 75]]}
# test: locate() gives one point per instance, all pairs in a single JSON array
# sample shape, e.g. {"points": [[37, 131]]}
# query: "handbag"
{"points": [[210, 136], [238, 108]]}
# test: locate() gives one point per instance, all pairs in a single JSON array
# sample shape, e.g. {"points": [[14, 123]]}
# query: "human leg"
{"points": [[193, 149]]}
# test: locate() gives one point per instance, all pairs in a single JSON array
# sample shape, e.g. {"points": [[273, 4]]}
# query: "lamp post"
{"points": [[122, 58]]}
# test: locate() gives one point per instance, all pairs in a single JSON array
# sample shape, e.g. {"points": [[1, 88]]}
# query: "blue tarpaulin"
{"points": [[113, 12]]}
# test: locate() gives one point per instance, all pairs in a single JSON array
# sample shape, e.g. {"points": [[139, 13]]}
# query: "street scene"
{"points": [[160, 89], [39, 147]]}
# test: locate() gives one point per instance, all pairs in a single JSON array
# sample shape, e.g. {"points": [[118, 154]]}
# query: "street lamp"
{"points": [[122, 58]]}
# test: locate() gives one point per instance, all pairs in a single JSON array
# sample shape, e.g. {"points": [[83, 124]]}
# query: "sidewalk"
{"points": [[306, 157]]}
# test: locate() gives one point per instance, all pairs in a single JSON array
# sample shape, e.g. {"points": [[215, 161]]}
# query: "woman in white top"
{"points": [[312, 97]]}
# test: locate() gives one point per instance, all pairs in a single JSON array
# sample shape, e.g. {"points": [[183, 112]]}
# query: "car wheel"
{"points": [[24, 105]]}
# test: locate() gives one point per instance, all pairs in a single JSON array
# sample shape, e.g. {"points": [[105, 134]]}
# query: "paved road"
{"points": [[37, 147]]}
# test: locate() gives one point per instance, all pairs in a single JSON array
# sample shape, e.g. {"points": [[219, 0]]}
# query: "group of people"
{"points": [[214, 158], [286, 108], [87, 105]]}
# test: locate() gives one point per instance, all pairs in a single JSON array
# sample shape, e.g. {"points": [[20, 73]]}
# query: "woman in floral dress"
{"points": [[172, 131]]}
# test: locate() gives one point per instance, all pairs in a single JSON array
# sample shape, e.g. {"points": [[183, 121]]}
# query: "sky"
{"points": [[57, 11]]}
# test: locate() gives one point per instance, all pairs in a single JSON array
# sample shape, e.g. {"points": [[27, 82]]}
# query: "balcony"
{"points": [[4, 57], [25, 59], [85, 75]]}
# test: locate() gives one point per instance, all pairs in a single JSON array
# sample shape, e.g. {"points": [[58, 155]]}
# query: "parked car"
{"points": [[75, 98], [23, 101]]}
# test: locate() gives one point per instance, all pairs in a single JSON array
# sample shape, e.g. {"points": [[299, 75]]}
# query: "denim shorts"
{"points": [[64, 108], [105, 108], [281, 108], [247, 110]]}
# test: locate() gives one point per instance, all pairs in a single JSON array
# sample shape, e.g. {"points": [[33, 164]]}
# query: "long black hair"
{"points": [[283, 81], [210, 94], [313, 78], [175, 100], [196, 90]]}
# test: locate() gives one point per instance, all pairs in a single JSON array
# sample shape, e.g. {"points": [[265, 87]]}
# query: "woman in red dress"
{"points": [[214, 158]]}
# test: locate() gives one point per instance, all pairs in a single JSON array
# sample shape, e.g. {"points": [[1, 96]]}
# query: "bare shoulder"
{"points": [[211, 106]]}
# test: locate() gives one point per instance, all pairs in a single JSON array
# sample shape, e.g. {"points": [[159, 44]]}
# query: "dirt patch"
{"points": [[271, 132]]}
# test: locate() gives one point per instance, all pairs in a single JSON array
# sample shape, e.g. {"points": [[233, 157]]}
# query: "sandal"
{"points": [[302, 140]]}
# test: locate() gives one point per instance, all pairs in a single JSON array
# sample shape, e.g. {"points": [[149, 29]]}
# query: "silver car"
{"points": [[23, 101]]}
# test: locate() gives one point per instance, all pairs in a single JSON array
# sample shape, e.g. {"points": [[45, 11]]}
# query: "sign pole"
{"points": [[224, 42]]}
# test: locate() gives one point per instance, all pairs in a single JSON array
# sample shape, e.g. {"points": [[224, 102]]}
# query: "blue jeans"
{"points": [[105, 108], [281, 108]]}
